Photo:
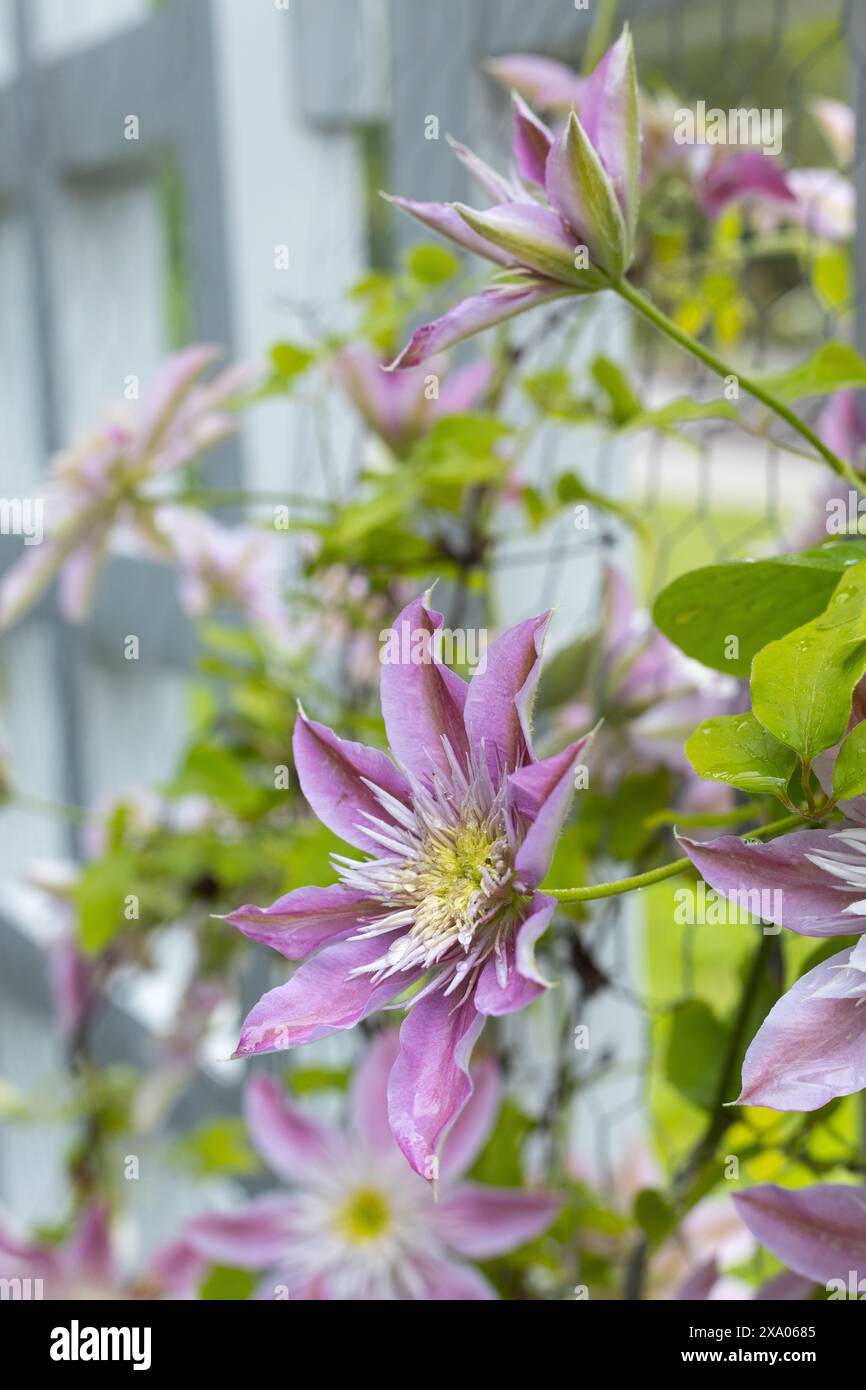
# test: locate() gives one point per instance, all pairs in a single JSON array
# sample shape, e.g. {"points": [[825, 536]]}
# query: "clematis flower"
{"points": [[398, 406], [238, 566], [457, 833], [85, 1265], [812, 1045], [358, 1225], [100, 488], [563, 223], [819, 1232]]}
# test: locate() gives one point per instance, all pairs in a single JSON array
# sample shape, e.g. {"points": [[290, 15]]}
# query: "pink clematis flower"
{"points": [[100, 488], [241, 567], [398, 406], [458, 833], [358, 1224], [562, 224], [812, 1045], [85, 1265], [819, 1232]]}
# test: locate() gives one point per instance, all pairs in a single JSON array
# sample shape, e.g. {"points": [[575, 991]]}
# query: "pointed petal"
{"points": [[430, 1083], [741, 176], [493, 305], [811, 1047], [301, 921], [542, 791], [444, 219], [78, 576], [333, 772], [321, 998], [819, 1232], [294, 1145], [490, 179], [700, 1283], [610, 115], [370, 1093], [785, 1286], [255, 1237], [581, 191], [523, 984], [172, 382], [543, 81], [480, 1221], [532, 141], [446, 1281], [474, 1125], [536, 237], [785, 886], [499, 702], [422, 700], [463, 389], [89, 1252]]}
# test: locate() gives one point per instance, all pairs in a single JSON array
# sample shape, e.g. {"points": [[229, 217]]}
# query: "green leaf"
{"points": [[695, 1052], [624, 404], [680, 412], [802, 684], [834, 367], [849, 771], [654, 1214], [100, 896], [432, 265], [831, 277], [754, 602], [737, 749], [290, 359], [602, 215], [228, 1285], [220, 1146]]}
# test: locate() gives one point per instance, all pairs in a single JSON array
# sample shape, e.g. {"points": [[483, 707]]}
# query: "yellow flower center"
{"points": [[366, 1216]]}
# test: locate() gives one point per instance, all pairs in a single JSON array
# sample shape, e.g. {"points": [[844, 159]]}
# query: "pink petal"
{"points": [[321, 998], [255, 1237], [493, 305], [491, 181], [294, 1145], [78, 576], [523, 984], [499, 701], [444, 219], [811, 1047], [430, 1083], [89, 1252], [422, 700], [699, 1283], [301, 921], [474, 1125], [462, 390], [536, 237], [544, 790], [370, 1093], [543, 81], [786, 887], [172, 382], [532, 141], [741, 176], [446, 1281], [333, 774], [481, 1221], [609, 115], [819, 1232]]}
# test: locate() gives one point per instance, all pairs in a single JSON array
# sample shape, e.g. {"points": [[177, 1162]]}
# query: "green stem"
{"points": [[591, 891], [704, 354], [734, 817]]}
